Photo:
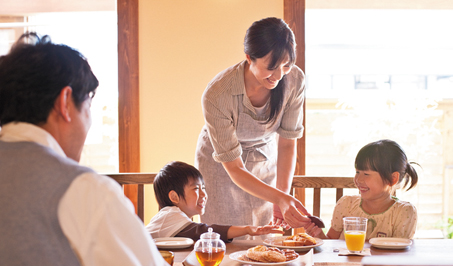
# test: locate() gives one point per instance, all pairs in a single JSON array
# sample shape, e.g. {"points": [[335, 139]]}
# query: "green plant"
{"points": [[449, 228]]}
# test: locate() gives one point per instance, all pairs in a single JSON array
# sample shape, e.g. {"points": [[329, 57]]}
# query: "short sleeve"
{"points": [[222, 132], [291, 126], [338, 214], [220, 103], [406, 223]]}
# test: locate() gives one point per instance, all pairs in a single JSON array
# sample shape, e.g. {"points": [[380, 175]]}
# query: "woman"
{"points": [[246, 151]]}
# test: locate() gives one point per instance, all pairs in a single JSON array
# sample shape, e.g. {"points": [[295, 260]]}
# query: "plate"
{"points": [[271, 242], [390, 242], [235, 256], [173, 242]]}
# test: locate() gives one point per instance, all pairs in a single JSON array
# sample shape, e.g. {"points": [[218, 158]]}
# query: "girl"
{"points": [[381, 167], [180, 193]]}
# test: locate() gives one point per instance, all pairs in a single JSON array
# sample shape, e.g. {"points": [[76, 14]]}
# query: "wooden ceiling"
{"points": [[25, 7]]}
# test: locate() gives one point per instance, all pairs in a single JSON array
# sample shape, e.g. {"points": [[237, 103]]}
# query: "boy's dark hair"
{"points": [[173, 176], [33, 74], [386, 157]]}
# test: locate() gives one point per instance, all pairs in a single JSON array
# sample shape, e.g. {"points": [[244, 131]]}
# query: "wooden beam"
{"points": [[294, 15], [128, 96]]}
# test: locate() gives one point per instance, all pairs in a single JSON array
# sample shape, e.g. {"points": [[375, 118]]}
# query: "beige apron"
{"points": [[227, 203]]}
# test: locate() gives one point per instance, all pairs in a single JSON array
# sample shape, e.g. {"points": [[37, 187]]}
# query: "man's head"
{"points": [[42, 83]]}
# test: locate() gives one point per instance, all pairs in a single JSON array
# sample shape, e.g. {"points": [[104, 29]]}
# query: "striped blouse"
{"points": [[221, 100]]}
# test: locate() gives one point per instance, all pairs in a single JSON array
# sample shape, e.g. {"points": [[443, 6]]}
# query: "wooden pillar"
{"points": [[128, 95]]}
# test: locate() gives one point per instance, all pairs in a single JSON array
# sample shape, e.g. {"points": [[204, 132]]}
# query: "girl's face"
{"points": [[371, 186], [266, 77], [195, 198]]}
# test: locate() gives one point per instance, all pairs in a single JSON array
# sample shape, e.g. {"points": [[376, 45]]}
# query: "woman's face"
{"points": [[266, 77]]}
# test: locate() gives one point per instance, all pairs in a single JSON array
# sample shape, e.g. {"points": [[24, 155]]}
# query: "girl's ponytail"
{"points": [[410, 176]]}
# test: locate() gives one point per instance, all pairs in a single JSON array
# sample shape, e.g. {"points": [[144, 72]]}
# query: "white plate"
{"points": [[271, 242], [235, 256], [173, 242], [390, 242]]}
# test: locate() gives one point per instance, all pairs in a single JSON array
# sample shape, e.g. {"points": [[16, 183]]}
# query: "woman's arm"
{"points": [[254, 186], [286, 163]]}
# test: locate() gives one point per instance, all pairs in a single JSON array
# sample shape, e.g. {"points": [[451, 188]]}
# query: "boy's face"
{"points": [[195, 198]]}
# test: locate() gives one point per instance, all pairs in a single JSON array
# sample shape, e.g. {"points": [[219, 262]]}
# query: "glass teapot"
{"points": [[209, 249]]}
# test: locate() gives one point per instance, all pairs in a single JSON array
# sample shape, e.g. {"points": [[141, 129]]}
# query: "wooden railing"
{"points": [[299, 184]]}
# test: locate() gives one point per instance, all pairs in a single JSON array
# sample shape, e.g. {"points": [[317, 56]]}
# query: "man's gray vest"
{"points": [[33, 178]]}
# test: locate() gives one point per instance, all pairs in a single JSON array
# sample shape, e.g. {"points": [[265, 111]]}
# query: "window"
{"points": [[382, 73], [94, 34]]}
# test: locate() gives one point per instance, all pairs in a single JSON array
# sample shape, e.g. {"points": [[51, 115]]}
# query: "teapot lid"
{"points": [[210, 235]]}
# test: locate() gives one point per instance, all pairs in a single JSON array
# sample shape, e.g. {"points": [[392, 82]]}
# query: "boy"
{"points": [[180, 193]]}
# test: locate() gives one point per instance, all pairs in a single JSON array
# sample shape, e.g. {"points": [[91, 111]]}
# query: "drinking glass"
{"points": [[354, 233], [168, 256]]}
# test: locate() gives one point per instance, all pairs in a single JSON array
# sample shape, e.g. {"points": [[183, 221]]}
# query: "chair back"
{"points": [[139, 179], [299, 184]]}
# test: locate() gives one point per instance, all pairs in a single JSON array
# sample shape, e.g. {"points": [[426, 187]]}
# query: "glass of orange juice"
{"points": [[354, 233]]}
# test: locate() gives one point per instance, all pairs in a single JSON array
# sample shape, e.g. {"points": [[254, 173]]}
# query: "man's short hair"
{"points": [[33, 74]]}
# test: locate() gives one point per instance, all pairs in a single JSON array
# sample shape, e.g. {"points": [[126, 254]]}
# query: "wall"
{"points": [[183, 45]]}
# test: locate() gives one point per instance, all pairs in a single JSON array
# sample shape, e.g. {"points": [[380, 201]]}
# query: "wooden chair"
{"points": [[139, 179], [317, 182], [299, 184]]}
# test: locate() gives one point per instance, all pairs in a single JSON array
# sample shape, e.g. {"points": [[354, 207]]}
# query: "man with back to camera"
{"points": [[54, 211]]}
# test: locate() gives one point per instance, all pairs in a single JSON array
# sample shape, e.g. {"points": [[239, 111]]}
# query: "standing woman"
{"points": [[253, 114]]}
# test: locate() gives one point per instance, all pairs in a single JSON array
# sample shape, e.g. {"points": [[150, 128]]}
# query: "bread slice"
{"points": [[293, 243]]}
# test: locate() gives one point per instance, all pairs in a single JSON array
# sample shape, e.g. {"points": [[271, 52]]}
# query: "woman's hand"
{"points": [[277, 218], [313, 230], [292, 211]]}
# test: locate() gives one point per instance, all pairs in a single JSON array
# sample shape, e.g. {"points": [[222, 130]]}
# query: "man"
{"points": [[52, 210]]}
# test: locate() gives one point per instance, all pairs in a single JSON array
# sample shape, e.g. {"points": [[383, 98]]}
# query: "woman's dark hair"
{"points": [[386, 157], [173, 176], [271, 35], [33, 74]]}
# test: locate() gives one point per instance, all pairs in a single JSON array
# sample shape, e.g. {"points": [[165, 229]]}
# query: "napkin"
{"points": [[345, 252]]}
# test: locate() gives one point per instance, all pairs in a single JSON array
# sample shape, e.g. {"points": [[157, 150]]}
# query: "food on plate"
{"points": [[290, 254], [262, 253], [300, 239], [317, 221], [314, 219], [265, 254]]}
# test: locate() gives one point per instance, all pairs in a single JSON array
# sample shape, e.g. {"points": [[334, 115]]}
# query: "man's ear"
{"points": [[62, 103], [395, 178], [173, 196]]}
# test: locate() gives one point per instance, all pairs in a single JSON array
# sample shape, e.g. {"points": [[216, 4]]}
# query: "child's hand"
{"points": [[263, 230]]}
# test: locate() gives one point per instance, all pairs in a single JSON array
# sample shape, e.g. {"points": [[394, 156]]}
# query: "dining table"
{"points": [[419, 252]]}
